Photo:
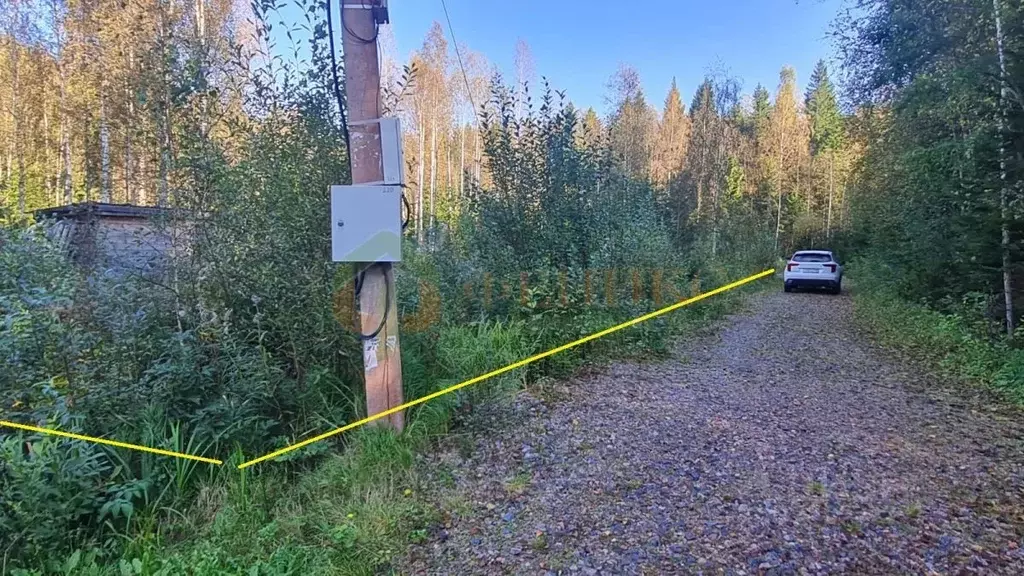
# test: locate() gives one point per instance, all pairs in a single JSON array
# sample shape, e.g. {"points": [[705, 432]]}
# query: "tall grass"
{"points": [[948, 341]]}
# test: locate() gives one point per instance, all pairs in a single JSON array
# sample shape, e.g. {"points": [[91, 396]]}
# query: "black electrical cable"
{"points": [[376, 27], [387, 299], [408, 210], [337, 85]]}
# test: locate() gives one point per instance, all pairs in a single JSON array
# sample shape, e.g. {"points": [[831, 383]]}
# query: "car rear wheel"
{"points": [[837, 289], [787, 288]]}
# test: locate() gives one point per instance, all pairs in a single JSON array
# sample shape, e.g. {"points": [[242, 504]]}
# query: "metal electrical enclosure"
{"points": [[366, 224], [391, 151]]}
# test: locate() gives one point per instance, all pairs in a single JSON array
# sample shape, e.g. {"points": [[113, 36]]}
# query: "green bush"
{"points": [[240, 349], [51, 491]]}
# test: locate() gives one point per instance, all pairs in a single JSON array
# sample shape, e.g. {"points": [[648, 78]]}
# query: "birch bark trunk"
{"points": [[1004, 191]]}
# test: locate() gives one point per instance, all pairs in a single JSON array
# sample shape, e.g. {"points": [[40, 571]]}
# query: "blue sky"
{"points": [[578, 44]]}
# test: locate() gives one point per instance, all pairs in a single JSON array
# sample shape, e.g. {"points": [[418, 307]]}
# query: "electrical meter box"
{"points": [[366, 223]]}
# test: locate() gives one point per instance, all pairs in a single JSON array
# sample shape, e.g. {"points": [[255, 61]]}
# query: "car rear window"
{"points": [[811, 257]]}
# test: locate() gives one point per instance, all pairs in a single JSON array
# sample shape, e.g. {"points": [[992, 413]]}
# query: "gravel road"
{"points": [[784, 443]]}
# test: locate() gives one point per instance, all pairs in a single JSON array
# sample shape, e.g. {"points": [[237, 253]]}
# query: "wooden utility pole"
{"points": [[382, 362]]}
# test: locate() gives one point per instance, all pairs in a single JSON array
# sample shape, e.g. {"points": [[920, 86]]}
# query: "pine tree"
{"points": [[760, 132]]}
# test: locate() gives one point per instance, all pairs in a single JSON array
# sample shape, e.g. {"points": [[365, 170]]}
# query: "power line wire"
{"points": [[465, 77]]}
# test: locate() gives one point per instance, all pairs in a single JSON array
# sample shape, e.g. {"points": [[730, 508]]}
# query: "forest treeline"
{"points": [[939, 191], [911, 170], [778, 161], [95, 109]]}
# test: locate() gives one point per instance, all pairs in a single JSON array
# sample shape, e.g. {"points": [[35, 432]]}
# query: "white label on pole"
{"points": [[370, 353]]}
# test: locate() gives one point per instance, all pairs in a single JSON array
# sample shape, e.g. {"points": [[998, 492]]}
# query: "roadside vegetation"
{"points": [[948, 341], [936, 197], [243, 345]]}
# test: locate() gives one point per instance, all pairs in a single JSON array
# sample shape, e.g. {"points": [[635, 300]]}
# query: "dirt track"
{"points": [[785, 444]]}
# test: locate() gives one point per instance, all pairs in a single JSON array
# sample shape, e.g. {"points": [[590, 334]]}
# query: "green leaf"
{"points": [[72, 562]]}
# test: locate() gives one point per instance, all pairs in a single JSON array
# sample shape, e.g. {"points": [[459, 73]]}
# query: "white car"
{"points": [[813, 269]]}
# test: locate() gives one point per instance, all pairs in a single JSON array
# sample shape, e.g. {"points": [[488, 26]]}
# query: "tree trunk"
{"points": [[88, 169], [9, 163], [165, 121], [831, 192], [201, 21], [165, 162], [433, 170], [204, 120], [130, 192], [1004, 191], [104, 150], [462, 160], [778, 190], [142, 186], [21, 175], [18, 127], [67, 171], [448, 170], [422, 177], [47, 181]]}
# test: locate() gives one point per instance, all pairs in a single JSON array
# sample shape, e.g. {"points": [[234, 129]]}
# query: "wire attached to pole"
{"points": [[336, 83], [376, 27], [385, 267]]}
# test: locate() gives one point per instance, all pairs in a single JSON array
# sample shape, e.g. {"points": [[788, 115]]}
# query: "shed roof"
{"points": [[101, 209]]}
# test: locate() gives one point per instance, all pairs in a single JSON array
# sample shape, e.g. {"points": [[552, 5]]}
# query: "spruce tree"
{"points": [[762, 104], [826, 123], [673, 137], [703, 119], [823, 112]]}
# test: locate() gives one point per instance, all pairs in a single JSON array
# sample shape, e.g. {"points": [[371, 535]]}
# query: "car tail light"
{"points": [[790, 266], [831, 267]]}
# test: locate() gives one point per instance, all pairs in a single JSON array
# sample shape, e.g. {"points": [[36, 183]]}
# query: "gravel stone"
{"points": [[782, 443]]}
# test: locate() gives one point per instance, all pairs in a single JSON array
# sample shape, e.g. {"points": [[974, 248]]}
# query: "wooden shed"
{"points": [[115, 238]]}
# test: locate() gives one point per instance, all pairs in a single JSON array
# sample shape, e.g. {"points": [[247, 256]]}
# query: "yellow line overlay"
{"points": [[110, 442], [513, 366]]}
